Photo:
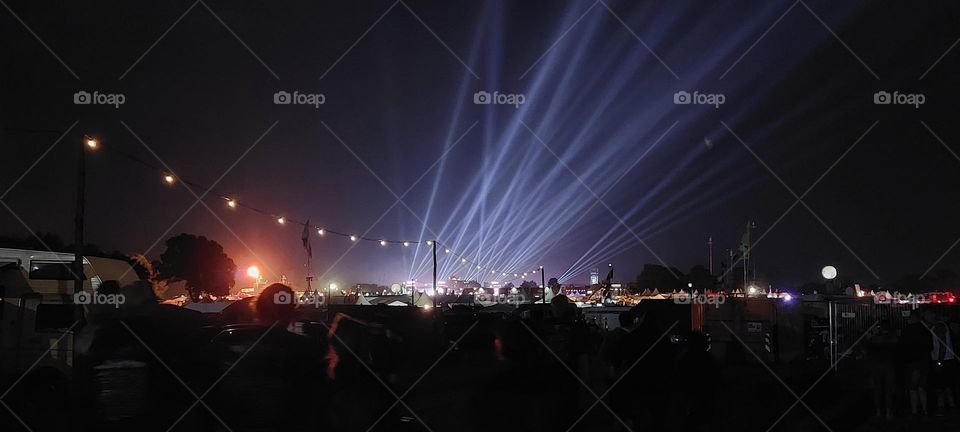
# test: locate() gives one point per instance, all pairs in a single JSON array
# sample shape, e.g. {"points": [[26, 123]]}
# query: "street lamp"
{"points": [[829, 273], [254, 273], [332, 286], [88, 143], [543, 285]]}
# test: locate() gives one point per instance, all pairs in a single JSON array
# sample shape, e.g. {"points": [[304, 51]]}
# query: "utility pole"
{"points": [[543, 286], [78, 274], [436, 292], [710, 253]]}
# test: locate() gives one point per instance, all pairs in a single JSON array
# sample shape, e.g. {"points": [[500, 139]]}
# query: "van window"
{"points": [[51, 270]]}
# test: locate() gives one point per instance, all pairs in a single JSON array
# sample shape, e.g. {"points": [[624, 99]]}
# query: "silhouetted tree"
{"points": [[661, 278], [199, 262], [701, 278], [913, 284]]}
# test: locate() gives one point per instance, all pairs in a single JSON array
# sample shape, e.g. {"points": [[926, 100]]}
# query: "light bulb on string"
{"points": [[353, 238]]}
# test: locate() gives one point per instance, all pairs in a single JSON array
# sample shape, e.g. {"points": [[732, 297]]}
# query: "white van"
{"points": [[37, 310]]}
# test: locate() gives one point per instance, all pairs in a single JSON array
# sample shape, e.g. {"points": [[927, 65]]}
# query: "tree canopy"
{"points": [[199, 262]]}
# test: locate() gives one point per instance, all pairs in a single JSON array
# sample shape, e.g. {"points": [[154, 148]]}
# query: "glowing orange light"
{"points": [[253, 272]]}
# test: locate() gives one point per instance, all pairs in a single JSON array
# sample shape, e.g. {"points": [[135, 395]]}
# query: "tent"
{"points": [[362, 301], [422, 299]]}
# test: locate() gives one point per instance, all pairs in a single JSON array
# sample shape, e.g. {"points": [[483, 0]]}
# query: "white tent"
{"points": [[422, 299], [362, 301]]}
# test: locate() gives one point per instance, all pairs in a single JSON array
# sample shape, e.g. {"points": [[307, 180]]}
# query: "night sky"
{"points": [[510, 187]]}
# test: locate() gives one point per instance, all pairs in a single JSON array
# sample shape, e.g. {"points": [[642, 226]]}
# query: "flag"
{"points": [[305, 236]]}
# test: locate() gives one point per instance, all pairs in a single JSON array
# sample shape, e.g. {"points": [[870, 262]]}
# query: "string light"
{"points": [[170, 179]]}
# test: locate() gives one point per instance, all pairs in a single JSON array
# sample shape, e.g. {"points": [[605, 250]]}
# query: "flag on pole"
{"points": [[305, 236]]}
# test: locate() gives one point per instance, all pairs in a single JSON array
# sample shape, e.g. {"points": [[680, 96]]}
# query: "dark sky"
{"points": [[508, 187]]}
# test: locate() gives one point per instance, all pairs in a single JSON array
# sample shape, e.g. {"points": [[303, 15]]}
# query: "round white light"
{"points": [[281, 220], [383, 242], [829, 272], [353, 238]]}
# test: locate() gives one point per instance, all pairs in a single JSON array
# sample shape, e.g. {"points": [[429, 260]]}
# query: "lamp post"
{"points": [[543, 286], [90, 143], [829, 273]]}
